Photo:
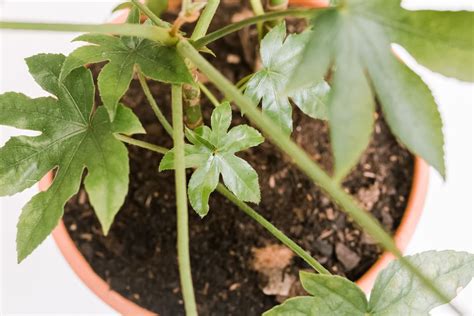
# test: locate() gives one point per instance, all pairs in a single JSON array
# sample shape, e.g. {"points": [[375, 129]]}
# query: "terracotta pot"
{"points": [[126, 307]]}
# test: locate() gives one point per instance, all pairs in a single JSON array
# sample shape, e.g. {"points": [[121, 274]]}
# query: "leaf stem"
{"points": [[209, 94], [243, 81], [231, 28], [159, 115], [151, 32], [184, 261], [272, 229], [205, 20], [140, 143], [257, 8], [303, 161], [159, 22]]}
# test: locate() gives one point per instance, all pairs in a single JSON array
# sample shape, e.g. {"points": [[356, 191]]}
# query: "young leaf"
{"points": [[332, 295], [396, 292], [72, 138], [212, 153], [366, 30], [158, 62], [280, 57]]}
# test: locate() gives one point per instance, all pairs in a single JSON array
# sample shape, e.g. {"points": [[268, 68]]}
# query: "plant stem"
{"points": [[192, 103], [151, 32], [150, 14], [257, 8], [159, 115], [303, 161], [211, 37], [184, 261], [209, 94], [243, 81], [277, 5], [142, 144], [272, 229], [205, 20]]}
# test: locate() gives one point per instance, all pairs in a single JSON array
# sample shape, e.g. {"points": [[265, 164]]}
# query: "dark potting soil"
{"points": [[238, 267]]}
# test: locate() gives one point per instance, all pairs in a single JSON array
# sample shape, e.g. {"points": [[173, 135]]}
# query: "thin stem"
{"points": [[257, 8], [272, 229], [150, 14], [151, 32], [184, 261], [209, 94], [142, 144], [231, 28], [205, 20], [159, 115], [185, 5], [243, 81], [304, 162]]}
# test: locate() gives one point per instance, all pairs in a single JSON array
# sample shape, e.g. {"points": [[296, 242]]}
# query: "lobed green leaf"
{"points": [[363, 32], [212, 153], [280, 57], [156, 61], [73, 138]]}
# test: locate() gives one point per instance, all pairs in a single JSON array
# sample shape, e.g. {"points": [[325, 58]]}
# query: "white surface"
{"points": [[44, 283]]}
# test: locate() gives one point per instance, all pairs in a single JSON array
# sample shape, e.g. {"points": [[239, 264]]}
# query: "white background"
{"points": [[44, 283]]}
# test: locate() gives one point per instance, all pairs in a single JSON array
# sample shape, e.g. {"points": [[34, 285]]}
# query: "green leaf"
{"points": [[122, 6], [351, 113], [280, 57], [239, 177], [212, 153], [202, 183], [72, 139], [440, 40], [297, 306], [195, 156], [158, 62], [220, 122], [240, 138], [332, 295], [397, 292], [339, 294], [366, 30]]}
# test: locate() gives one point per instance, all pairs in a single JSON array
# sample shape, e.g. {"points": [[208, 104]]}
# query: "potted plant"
{"points": [[332, 71]]}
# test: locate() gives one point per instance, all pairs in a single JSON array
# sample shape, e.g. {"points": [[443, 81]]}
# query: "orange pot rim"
{"points": [[126, 307]]}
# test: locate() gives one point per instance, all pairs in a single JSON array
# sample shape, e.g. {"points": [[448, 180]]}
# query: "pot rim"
{"points": [[126, 307]]}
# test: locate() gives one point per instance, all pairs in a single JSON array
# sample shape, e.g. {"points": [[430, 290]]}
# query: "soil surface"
{"points": [[238, 267]]}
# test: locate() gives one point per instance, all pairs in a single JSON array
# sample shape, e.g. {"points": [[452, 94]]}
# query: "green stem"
{"points": [[151, 32], [275, 3], [303, 161], [192, 104], [231, 28], [185, 5], [205, 20], [142, 144], [243, 81], [257, 8], [159, 115], [272, 229], [159, 22], [184, 261], [209, 94]]}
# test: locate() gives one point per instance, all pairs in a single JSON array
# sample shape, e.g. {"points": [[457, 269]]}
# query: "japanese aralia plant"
{"points": [[334, 71]]}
